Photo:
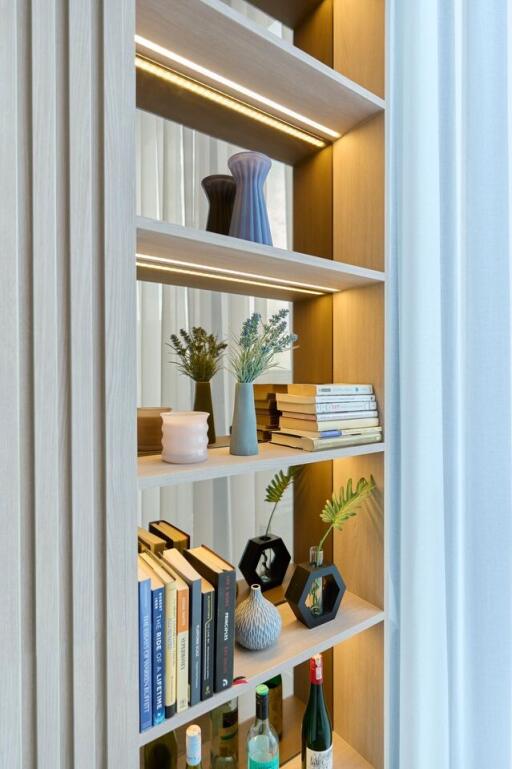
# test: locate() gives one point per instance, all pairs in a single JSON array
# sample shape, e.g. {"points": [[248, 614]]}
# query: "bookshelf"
{"points": [[69, 465]]}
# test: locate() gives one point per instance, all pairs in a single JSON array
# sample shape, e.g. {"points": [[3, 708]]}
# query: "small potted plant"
{"points": [[316, 588], [265, 559], [199, 357], [253, 353]]}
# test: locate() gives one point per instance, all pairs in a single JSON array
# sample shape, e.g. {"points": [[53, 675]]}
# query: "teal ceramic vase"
{"points": [[244, 437]]}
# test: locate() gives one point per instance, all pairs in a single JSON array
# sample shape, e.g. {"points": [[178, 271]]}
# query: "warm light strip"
{"points": [[226, 271], [226, 101], [241, 89], [225, 278]]}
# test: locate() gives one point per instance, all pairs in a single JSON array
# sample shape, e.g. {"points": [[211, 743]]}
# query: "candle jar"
{"points": [[184, 436]]}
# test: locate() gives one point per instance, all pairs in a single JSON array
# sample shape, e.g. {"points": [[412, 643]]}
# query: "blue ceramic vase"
{"points": [[249, 219], [244, 436], [257, 621]]}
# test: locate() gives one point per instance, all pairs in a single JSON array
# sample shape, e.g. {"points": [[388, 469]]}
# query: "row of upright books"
{"points": [[186, 623], [323, 416]]}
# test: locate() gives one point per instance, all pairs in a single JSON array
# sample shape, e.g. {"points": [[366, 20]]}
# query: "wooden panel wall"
{"points": [[359, 35], [68, 646]]}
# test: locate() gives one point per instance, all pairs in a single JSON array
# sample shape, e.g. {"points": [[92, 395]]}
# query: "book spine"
{"points": [[145, 683], [344, 389], [194, 654], [170, 650], [309, 444], [225, 631], [182, 650], [158, 655], [208, 643]]}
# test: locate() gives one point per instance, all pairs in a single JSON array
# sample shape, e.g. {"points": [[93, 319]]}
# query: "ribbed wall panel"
{"points": [[68, 640]]}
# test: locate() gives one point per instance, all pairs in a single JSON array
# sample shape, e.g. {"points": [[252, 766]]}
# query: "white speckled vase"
{"points": [[257, 621]]}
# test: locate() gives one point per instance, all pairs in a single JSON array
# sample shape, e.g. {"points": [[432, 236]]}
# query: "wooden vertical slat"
{"points": [[359, 35]]}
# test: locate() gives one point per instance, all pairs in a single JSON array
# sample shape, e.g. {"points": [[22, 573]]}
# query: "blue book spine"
{"points": [[330, 434], [145, 683], [158, 656]]}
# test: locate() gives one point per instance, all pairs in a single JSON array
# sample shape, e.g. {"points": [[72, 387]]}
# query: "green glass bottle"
{"points": [[193, 746], [224, 746], [275, 703], [316, 724], [262, 740], [161, 753]]}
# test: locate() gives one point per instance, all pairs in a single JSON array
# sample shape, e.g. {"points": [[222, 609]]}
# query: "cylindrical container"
{"points": [[185, 437], [250, 218], [203, 402], [220, 190], [149, 428], [244, 436]]}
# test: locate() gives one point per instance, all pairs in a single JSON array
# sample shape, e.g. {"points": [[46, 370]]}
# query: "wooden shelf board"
{"points": [[152, 472], [345, 757], [212, 34], [295, 645], [264, 263]]}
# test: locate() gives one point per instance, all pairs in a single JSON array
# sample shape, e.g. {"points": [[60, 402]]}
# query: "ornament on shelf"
{"points": [[250, 218], [220, 190], [185, 437], [257, 621], [316, 588]]}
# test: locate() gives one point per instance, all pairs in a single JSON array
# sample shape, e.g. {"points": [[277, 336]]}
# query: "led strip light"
{"points": [[149, 45], [277, 282], [226, 101], [225, 278]]}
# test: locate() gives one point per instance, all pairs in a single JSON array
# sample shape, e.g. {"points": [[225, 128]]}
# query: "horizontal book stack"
{"points": [[267, 414], [327, 416], [186, 623]]}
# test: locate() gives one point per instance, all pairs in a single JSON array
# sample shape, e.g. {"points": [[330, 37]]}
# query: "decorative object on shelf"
{"points": [[199, 357], [220, 190], [149, 428], [185, 437], [266, 558], [257, 621], [250, 218], [317, 588], [275, 703], [224, 740], [262, 740], [252, 354], [162, 753]]}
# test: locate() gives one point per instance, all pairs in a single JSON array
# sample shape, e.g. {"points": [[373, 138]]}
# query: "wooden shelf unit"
{"points": [[295, 645], [339, 245]]}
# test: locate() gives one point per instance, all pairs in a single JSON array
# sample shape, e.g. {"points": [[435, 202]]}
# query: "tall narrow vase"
{"points": [[220, 190], [244, 438], [250, 218], [203, 402]]}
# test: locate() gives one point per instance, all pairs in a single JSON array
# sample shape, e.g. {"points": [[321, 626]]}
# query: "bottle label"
{"points": [[319, 759], [272, 764]]}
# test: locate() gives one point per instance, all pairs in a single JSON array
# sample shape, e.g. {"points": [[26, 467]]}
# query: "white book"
{"points": [[327, 424], [330, 389], [326, 408], [319, 444], [288, 398], [327, 434]]}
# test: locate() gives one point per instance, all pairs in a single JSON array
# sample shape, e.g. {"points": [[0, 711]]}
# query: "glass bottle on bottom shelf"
{"points": [[275, 703], [224, 746], [262, 739], [161, 753], [316, 724], [193, 747]]}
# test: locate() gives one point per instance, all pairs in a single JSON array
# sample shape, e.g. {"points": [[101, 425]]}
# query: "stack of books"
{"points": [[327, 416], [267, 413], [186, 623]]}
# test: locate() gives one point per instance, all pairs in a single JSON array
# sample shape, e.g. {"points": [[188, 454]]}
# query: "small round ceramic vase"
{"points": [[250, 218], [257, 621], [184, 436]]}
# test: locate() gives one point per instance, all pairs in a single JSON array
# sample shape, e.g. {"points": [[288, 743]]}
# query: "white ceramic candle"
{"points": [[184, 436]]}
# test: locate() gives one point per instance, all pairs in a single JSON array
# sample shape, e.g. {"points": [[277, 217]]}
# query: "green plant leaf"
{"points": [[278, 485]]}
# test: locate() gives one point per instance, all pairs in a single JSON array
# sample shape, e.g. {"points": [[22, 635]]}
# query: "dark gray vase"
{"points": [[250, 219], [220, 190], [244, 438], [203, 402]]}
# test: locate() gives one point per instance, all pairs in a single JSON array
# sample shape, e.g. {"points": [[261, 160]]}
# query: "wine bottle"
{"points": [[262, 740], [161, 753], [316, 724], [224, 746], [193, 746], [275, 703]]}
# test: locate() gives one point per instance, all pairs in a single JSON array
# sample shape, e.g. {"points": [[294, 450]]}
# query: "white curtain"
{"points": [[451, 543]]}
